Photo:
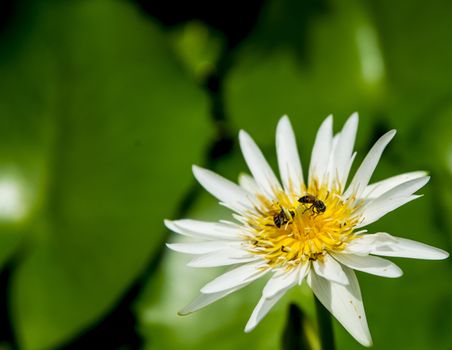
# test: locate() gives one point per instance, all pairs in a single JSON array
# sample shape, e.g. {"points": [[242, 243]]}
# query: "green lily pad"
{"points": [[321, 70], [417, 66], [124, 111], [27, 107]]}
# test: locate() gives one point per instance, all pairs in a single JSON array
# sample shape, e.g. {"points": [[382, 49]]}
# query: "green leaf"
{"points": [[27, 107], [321, 65], [418, 67], [434, 151], [126, 124], [198, 48]]}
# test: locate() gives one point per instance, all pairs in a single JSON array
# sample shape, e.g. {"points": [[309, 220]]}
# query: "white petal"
{"points": [[345, 303], [321, 151], [376, 212], [364, 244], [370, 264], [330, 269], [304, 270], [384, 244], [231, 194], [203, 300], [352, 159], [224, 257], [367, 167], [288, 158], [332, 173], [275, 288], [405, 189], [257, 164], [391, 200], [236, 277], [377, 189], [406, 248], [261, 310], [344, 150], [198, 247], [280, 280], [204, 229], [248, 183]]}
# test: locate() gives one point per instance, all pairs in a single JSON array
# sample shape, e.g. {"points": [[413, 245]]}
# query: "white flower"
{"points": [[303, 231]]}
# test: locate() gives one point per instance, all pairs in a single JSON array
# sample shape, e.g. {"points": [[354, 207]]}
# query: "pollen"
{"points": [[287, 233]]}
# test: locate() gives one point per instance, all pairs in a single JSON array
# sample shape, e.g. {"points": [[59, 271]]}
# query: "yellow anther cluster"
{"points": [[288, 232]]}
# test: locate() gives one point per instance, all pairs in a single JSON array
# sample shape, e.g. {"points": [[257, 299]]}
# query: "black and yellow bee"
{"points": [[317, 206], [282, 218]]}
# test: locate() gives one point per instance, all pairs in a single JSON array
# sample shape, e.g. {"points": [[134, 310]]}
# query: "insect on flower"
{"points": [[282, 218], [299, 230], [317, 206]]}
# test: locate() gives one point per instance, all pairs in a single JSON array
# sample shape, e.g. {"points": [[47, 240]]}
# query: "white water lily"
{"points": [[303, 231]]}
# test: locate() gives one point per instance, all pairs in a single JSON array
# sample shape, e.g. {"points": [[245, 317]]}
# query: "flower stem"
{"points": [[325, 326], [295, 336]]}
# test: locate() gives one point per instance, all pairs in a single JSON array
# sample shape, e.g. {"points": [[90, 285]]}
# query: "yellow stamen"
{"points": [[306, 235]]}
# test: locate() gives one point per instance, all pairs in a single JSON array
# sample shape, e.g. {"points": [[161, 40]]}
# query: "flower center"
{"points": [[295, 229]]}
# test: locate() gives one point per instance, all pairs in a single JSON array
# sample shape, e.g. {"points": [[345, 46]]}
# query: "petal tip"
{"points": [[169, 224], [183, 313], [243, 135], [196, 169], [249, 327], [398, 272], [245, 140], [283, 122], [206, 289], [367, 342], [441, 254]]}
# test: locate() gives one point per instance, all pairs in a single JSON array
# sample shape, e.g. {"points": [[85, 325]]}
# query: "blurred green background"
{"points": [[104, 106]]}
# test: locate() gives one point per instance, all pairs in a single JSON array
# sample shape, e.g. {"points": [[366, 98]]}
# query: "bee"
{"points": [[317, 206], [282, 218]]}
